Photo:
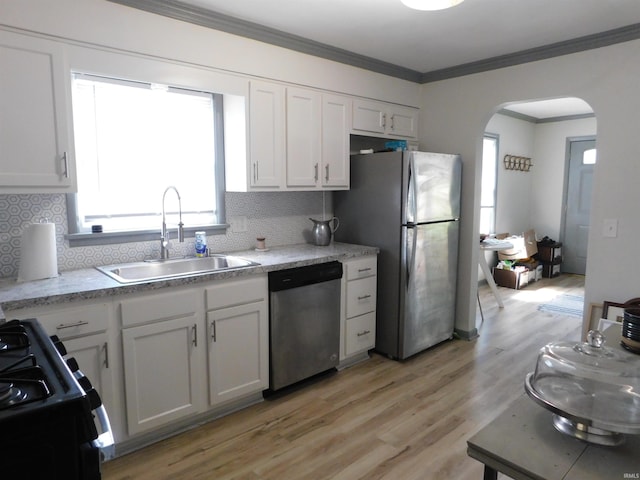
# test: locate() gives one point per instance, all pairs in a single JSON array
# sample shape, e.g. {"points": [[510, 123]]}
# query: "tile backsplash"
{"points": [[281, 217]]}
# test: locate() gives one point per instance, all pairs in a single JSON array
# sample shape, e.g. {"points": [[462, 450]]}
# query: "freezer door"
{"points": [[434, 181], [430, 261]]}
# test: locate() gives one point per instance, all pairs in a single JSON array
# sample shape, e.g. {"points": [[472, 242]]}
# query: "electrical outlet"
{"points": [[238, 224], [610, 227]]}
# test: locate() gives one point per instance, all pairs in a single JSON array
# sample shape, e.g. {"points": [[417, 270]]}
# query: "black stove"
{"points": [[48, 409]]}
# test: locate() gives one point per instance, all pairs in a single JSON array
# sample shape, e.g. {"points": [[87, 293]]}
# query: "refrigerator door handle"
{"points": [[412, 200], [411, 252]]}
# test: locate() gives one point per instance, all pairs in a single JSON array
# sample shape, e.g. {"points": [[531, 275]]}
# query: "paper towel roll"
{"points": [[38, 257]]}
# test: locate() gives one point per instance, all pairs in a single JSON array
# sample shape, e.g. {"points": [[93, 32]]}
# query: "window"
{"points": [[589, 157], [132, 141], [489, 184]]}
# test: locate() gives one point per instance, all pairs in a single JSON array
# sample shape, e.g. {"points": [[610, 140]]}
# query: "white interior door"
{"points": [[582, 157]]}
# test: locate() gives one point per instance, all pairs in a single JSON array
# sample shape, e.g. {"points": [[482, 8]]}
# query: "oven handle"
{"points": [[105, 442]]}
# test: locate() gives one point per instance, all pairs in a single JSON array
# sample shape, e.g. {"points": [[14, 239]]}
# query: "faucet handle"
{"points": [[181, 232]]}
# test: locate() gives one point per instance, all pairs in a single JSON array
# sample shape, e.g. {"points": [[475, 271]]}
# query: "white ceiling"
{"points": [[554, 108], [475, 35]]}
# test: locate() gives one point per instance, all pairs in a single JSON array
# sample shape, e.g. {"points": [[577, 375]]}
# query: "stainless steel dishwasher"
{"points": [[304, 321]]}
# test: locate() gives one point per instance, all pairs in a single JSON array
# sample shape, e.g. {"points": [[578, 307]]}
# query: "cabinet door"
{"points": [[403, 122], [267, 134], [336, 123], [361, 296], [161, 372], [93, 355], [34, 104], [238, 353], [303, 137], [360, 333], [369, 116]]}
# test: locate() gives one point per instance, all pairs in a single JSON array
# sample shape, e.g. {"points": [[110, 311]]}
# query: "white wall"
{"points": [[455, 114]]}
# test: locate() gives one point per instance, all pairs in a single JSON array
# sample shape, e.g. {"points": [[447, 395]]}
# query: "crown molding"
{"points": [[217, 21], [588, 42], [530, 119], [225, 23]]}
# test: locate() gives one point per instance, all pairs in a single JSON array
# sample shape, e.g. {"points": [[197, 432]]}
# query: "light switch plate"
{"points": [[610, 227]]}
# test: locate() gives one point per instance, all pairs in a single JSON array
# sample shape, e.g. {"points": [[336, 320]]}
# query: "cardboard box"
{"points": [[515, 279], [524, 246]]}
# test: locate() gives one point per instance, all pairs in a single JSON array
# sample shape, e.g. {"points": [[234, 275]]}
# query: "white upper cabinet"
{"points": [[318, 127], [298, 140], [304, 127], [36, 154], [336, 123], [267, 135], [394, 121], [317, 140]]}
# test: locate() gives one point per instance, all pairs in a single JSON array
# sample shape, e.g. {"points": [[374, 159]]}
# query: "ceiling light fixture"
{"points": [[431, 4]]}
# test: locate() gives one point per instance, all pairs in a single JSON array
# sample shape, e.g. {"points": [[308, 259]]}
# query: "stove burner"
{"points": [[13, 336], [10, 394]]}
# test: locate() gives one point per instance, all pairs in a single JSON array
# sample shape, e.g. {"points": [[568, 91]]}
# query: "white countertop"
{"points": [[90, 283]]}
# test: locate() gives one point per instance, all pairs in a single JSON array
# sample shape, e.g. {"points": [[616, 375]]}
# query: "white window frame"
{"points": [[485, 171], [77, 237]]}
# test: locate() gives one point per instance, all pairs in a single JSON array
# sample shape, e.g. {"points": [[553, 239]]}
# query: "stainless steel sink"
{"points": [[180, 267]]}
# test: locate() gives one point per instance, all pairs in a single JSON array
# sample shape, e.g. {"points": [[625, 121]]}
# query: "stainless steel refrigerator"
{"points": [[408, 205]]}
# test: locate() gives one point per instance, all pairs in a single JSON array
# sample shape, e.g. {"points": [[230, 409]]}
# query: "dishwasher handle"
{"points": [[303, 276]]}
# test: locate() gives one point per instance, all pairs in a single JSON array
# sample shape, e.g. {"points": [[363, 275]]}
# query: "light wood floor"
{"points": [[380, 419]]}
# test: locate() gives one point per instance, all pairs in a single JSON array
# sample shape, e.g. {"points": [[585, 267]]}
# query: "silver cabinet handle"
{"points": [[384, 120], [255, 172], [62, 326], [65, 162], [315, 174], [195, 334], [392, 125], [213, 330], [365, 332], [105, 347], [361, 270], [364, 297], [326, 172]]}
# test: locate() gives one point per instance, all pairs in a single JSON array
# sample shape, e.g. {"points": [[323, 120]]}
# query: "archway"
{"points": [[536, 197]]}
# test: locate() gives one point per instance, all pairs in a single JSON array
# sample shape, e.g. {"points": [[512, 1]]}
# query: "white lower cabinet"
{"points": [[85, 330], [162, 355], [358, 307], [238, 338], [172, 359]]}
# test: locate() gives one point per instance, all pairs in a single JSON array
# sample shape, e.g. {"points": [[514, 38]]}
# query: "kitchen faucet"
{"points": [[164, 235]]}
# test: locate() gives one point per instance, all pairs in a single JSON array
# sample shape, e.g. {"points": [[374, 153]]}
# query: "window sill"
{"points": [[109, 238]]}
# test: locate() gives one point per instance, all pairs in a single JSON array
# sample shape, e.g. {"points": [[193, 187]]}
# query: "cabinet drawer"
{"points": [[160, 306], [361, 268], [237, 292], [67, 322], [361, 296], [361, 333]]}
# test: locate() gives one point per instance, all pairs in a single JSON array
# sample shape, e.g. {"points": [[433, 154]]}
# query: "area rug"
{"points": [[571, 305]]}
